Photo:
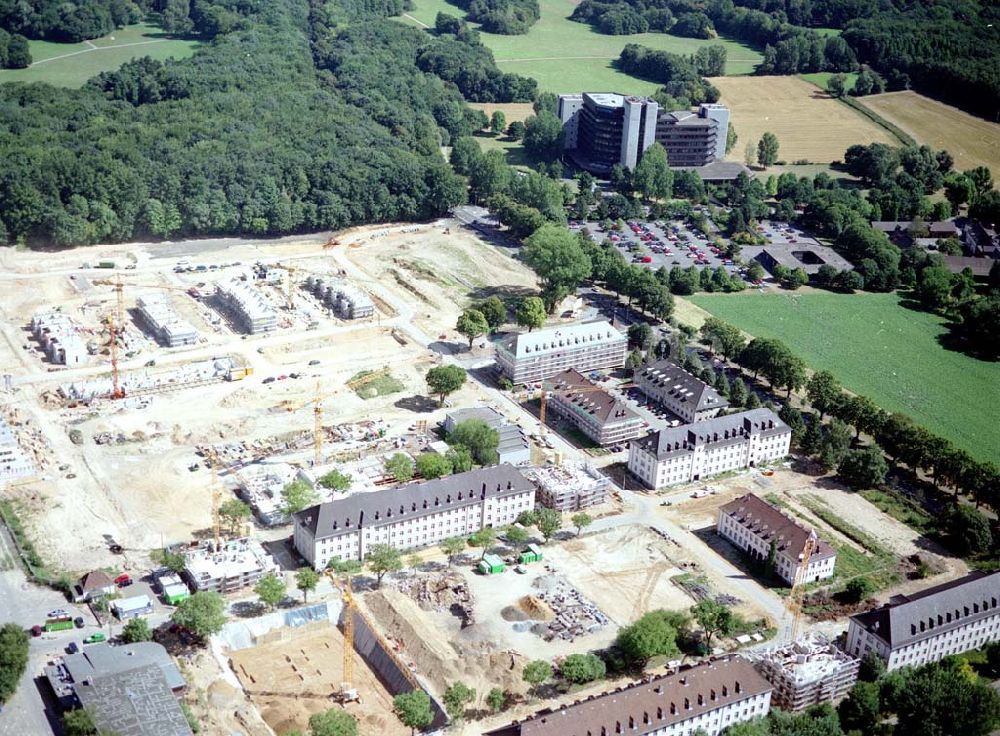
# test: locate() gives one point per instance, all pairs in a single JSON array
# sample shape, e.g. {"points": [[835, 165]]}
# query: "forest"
{"points": [[948, 50], [70, 22], [506, 17], [292, 120]]}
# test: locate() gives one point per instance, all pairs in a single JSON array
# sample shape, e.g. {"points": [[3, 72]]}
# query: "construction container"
{"points": [[238, 374], [58, 624], [105, 264], [491, 565], [532, 554]]}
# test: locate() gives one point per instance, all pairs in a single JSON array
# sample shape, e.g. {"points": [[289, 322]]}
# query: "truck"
{"points": [[58, 624], [238, 374]]}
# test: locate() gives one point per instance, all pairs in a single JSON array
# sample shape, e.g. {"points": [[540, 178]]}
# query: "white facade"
{"points": [[533, 356], [14, 463], [165, 324], [58, 336], [250, 308], [701, 450], [681, 393], [910, 631], [416, 515], [754, 532]]}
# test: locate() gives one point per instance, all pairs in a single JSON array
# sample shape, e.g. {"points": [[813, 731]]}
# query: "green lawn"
{"points": [[72, 64], [822, 79], [565, 56], [882, 350]]}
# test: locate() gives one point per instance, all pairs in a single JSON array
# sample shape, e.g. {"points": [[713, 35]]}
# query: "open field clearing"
{"points": [[565, 56], [72, 64], [822, 79], [882, 350], [971, 140], [810, 124]]}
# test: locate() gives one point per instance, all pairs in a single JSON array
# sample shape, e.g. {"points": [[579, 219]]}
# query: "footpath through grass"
{"points": [[882, 350], [565, 56], [72, 64]]}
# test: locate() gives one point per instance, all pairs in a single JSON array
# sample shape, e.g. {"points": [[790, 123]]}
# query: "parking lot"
{"points": [[661, 243]]}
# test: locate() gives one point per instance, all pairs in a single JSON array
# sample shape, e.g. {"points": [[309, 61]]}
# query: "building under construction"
{"points": [[239, 563], [808, 671], [345, 300], [570, 487]]}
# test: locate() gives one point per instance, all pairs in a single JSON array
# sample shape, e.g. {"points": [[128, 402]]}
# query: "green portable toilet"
{"points": [[491, 564], [532, 554]]}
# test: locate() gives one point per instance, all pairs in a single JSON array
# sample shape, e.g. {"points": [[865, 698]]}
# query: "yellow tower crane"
{"points": [[346, 589], [794, 605], [213, 464]]}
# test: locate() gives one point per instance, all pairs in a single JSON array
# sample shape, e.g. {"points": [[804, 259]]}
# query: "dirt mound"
{"points": [[536, 608], [436, 653], [512, 613]]}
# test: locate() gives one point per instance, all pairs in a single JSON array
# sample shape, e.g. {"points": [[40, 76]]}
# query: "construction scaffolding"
{"points": [[570, 487], [808, 671]]}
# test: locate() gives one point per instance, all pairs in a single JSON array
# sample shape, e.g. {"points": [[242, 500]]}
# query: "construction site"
{"points": [[806, 672]]}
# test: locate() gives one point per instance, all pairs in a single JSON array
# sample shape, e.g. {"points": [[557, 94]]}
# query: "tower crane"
{"points": [[115, 323], [347, 691], [213, 464], [794, 604]]}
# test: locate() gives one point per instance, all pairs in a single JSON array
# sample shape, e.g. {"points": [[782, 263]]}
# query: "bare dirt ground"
{"points": [[218, 705], [520, 111], [142, 492], [789, 107], [626, 571], [290, 680]]}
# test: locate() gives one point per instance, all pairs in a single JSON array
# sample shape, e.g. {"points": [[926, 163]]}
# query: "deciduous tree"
{"points": [[271, 590], [443, 380], [472, 324], [203, 614], [382, 559], [431, 465], [306, 580], [413, 709], [581, 520]]}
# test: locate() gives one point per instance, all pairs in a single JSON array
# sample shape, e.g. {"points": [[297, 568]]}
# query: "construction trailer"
{"points": [[491, 565], [127, 608], [807, 671], [532, 554]]}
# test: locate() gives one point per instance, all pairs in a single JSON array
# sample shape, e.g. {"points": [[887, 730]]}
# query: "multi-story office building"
{"points": [[569, 488], [911, 630], [604, 129], [413, 515], [694, 138], [238, 563], [688, 397], [697, 451], [163, 321], [533, 356], [708, 697], [599, 415], [753, 525]]}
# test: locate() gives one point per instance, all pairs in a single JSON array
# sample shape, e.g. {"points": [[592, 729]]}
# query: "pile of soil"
{"points": [[536, 608]]}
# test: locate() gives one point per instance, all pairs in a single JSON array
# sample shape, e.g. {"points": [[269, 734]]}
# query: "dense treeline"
{"points": [[244, 137], [14, 51], [59, 20], [678, 74], [949, 50], [457, 55], [507, 17]]}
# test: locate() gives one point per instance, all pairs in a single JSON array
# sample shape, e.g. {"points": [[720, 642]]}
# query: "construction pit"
{"points": [[128, 470], [299, 674]]}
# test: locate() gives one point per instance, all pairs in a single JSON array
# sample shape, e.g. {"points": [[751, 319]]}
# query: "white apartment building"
{"points": [[58, 336], [568, 488], [532, 356], [911, 630], [239, 563], [163, 321], [414, 515], [710, 697], [14, 463], [678, 391], [752, 525], [697, 451], [247, 306]]}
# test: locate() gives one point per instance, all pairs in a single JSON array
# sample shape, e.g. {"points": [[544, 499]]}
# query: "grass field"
{"points": [[971, 140], [72, 64], [810, 124], [565, 56], [882, 350]]}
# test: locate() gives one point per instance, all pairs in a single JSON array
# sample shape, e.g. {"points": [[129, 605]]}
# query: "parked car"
{"points": [[270, 379], [58, 613], [78, 622], [72, 648], [36, 630], [313, 362], [124, 580], [95, 637]]}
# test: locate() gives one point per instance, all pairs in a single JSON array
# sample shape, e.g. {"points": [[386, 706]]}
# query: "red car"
{"points": [[123, 580]]}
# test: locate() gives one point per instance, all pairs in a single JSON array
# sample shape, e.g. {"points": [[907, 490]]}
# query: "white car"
{"points": [[58, 613]]}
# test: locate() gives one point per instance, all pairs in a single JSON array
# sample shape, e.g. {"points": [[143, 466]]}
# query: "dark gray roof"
{"points": [[770, 523], [649, 706], [979, 266], [412, 501], [99, 660], [718, 431], [909, 618], [717, 170], [481, 413], [683, 386], [511, 437], [136, 702], [575, 389]]}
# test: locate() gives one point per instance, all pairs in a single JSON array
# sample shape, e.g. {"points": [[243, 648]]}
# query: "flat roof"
{"points": [[562, 337], [134, 703]]}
